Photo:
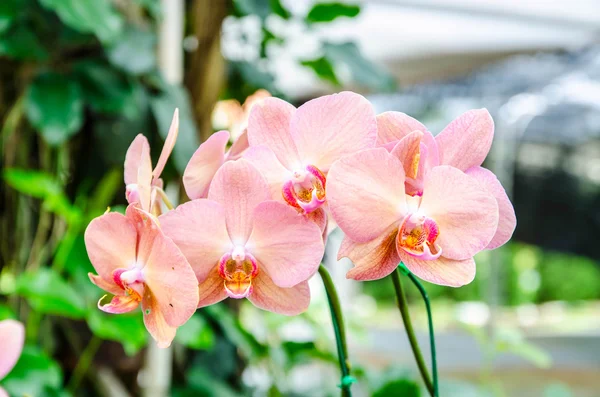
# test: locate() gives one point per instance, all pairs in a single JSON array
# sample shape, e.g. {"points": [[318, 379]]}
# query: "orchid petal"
{"points": [[119, 304], [466, 214], [144, 179], [287, 245], [198, 228], [168, 146], [330, 127], [204, 164], [507, 221], [287, 301], [466, 141], [374, 259], [155, 321], [133, 158], [239, 187], [366, 194], [106, 286], [269, 125], [408, 151], [238, 147], [212, 289], [12, 338], [270, 167], [441, 271], [393, 126], [172, 281], [110, 241]]}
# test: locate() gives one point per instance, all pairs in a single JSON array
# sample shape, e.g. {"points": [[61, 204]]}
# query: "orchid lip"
{"points": [[305, 190], [238, 268], [417, 236]]}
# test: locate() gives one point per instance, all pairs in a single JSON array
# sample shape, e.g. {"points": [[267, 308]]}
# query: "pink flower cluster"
{"points": [[261, 209]]}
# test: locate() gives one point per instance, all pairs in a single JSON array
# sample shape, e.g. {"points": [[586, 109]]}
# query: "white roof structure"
{"points": [[427, 39]]}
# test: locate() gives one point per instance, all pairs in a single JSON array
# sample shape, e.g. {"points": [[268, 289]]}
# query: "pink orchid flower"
{"points": [[294, 148], [137, 263], [435, 235], [207, 159], [463, 144], [143, 185], [241, 244], [12, 338]]}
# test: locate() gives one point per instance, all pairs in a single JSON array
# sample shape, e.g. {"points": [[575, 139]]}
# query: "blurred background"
{"points": [[80, 79]]}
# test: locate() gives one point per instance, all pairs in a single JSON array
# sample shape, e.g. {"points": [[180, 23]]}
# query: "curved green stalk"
{"points": [[402, 305], [339, 330]]}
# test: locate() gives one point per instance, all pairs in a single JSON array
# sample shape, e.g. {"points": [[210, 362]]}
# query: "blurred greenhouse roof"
{"points": [[420, 40]]}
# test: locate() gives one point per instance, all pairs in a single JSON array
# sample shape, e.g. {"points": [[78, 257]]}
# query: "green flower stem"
{"points": [[339, 330], [402, 305]]}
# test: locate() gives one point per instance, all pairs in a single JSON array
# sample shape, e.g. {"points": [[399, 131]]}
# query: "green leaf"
{"points": [[107, 90], [104, 193], [399, 387], [47, 292], [33, 374], [54, 106], [134, 52], [327, 12], [207, 385], [196, 334], [324, 70], [278, 9], [163, 107], [20, 42], [9, 10], [235, 332], [363, 71], [89, 16], [37, 184], [6, 312], [128, 329], [43, 186]]}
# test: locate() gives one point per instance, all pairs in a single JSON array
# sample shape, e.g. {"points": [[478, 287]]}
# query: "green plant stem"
{"points": [[339, 330], [84, 363], [402, 305], [423, 292]]}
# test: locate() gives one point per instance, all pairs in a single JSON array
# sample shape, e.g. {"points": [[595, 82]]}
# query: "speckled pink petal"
{"points": [[507, 221], [466, 141], [168, 146], [198, 228], [393, 126], [288, 301], [269, 166], [155, 322], [374, 259], [172, 281], [133, 158], [204, 164], [111, 241], [466, 213], [332, 126], [269, 125], [239, 187], [212, 289], [287, 245], [12, 338], [147, 229], [441, 271], [365, 192]]}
